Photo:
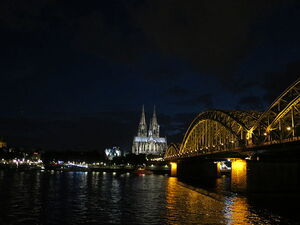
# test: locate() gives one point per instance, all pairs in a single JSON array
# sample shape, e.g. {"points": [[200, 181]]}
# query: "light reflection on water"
{"points": [[185, 206], [98, 198]]}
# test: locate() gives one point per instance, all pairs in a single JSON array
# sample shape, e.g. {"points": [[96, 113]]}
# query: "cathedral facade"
{"points": [[148, 141]]}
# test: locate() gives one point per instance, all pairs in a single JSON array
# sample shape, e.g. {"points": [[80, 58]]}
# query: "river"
{"points": [[48, 197]]}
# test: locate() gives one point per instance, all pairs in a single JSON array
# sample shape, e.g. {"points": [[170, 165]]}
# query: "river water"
{"points": [[41, 197]]}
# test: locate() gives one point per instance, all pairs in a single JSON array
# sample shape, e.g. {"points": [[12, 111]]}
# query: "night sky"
{"points": [[75, 74]]}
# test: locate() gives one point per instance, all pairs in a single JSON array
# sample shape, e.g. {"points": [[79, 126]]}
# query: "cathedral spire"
{"points": [[148, 141], [154, 119], [154, 124], [143, 117], [142, 131]]}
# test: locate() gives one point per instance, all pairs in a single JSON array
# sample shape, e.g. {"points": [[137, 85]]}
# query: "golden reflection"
{"points": [[239, 175], [219, 168], [238, 212], [171, 192], [186, 205]]}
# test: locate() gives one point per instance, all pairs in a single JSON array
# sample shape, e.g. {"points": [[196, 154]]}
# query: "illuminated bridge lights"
{"points": [[225, 130]]}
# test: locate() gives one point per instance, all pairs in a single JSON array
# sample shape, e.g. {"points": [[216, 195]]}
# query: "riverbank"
{"points": [[118, 169]]}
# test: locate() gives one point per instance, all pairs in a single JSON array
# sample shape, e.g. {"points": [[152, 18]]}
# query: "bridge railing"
{"points": [[194, 153], [291, 139]]}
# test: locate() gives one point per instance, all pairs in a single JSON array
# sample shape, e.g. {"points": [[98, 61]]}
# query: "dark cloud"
{"points": [[174, 127], [214, 36], [103, 29], [178, 91], [244, 84], [99, 131], [109, 38], [205, 100], [20, 15], [250, 103], [274, 83]]}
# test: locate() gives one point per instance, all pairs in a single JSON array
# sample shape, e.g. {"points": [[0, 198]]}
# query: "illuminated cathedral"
{"points": [[148, 141]]}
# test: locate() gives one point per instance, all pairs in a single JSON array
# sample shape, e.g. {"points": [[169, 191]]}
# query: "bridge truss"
{"points": [[215, 131]]}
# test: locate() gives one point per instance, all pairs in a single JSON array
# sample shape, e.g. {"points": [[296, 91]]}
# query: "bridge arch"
{"points": [[218, 130], [224, 130], [172, 151], [281, 119]]}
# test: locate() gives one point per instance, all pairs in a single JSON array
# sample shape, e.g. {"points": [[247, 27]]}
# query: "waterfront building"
{"points": [[148, 141], [3, 144], [113, 152]]}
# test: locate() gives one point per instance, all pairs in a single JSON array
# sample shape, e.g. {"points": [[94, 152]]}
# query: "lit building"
{"points": [[36, 156], [112, 152], [3, 144], [148, 141]]}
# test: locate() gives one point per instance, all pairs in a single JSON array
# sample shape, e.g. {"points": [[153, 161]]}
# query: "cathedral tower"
{"points": [[148, 143], [154, 125], [142, 130]]}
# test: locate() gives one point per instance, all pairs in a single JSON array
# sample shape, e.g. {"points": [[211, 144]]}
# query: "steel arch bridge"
{"points": [[216, 131], [173, 150]]}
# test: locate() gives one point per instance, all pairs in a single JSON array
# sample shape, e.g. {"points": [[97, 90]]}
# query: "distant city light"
{"points": [[112, 152]]}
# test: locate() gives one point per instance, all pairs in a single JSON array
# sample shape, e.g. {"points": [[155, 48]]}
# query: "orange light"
{"points": [[239, 175], [173, 168]]}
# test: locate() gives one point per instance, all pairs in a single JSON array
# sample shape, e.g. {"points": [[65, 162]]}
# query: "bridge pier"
{"points": [[265, 176]]}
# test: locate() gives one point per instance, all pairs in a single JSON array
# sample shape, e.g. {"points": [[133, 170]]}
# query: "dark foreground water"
{"points": [[37, 197]]}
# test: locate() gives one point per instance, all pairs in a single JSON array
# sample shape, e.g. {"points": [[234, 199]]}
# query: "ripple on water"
{"points": [[97, 198]]}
